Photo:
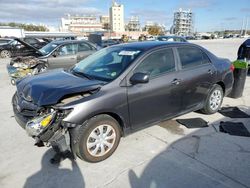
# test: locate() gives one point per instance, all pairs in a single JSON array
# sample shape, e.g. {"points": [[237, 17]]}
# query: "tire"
{"points": [[214, 100], [89, 144], [5, 54]]}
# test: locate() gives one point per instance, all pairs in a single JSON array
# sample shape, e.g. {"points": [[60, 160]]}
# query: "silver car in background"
{"points": [[64, 54]]}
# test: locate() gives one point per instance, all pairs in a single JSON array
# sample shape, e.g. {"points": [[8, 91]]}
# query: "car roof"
{"points": [[6, 39], [143, 46], [170, 36], [59, 42]]}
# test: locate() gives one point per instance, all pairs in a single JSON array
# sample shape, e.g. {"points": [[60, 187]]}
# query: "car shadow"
{"points": [[52, 175], [204, 158]]}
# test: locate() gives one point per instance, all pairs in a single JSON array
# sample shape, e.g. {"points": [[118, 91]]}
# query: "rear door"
{"points": [[160, 97], [64, 57], [84, 50], [197, 75]]}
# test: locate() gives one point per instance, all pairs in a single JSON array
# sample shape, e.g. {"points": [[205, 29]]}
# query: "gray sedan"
{"points": [[120, 89], [64, 54]]}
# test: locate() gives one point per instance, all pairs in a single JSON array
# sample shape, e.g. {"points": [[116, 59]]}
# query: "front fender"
{"points": [[112, 102]]}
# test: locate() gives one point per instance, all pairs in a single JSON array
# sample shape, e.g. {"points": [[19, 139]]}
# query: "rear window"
{"points": [[83, 47], [191, 56]]}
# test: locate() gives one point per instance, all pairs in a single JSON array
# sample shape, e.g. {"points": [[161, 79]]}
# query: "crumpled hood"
{"points": [[49, 87]]}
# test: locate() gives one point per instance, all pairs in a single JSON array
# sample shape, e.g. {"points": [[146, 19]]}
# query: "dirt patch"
{"points": [[172, 126]]}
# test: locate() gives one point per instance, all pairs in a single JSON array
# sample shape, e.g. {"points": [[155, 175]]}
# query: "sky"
{"points": [[209, 15]]}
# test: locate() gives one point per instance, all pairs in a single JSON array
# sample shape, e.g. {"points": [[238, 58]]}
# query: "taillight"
{"points": [[232, 67]]}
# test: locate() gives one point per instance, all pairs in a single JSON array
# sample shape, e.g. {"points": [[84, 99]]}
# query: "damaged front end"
{"points": [[48, 130], [20, 67], [43, 103], [45, 124]]}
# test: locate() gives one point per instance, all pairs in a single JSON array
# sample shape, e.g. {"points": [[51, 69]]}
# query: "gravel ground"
{"points": [[164, 155]]}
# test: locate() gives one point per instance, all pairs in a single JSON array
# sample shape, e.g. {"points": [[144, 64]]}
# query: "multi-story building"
{"points": [[183, 22], [133, 24], [81, 24], [105, 21], [148, 25], [116, 14]]}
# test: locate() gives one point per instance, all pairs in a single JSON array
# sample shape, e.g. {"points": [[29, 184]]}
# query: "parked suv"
{"points": [[116, 91], [244, 51]]}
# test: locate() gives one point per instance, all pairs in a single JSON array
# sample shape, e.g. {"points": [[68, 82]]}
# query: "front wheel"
{"points": [[5, 54], [214, 100], [97, 138]]}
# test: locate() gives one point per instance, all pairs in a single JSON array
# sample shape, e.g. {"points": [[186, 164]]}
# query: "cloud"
{"points": [[231, 19], [245, 10], [197, 4], [158, 16], [43, 11]]}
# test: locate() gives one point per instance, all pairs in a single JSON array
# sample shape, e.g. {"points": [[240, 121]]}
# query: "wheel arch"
{"points": [[117, 117], [222, 86]]}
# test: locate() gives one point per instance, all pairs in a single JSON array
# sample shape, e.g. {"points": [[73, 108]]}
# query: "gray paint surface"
{"points": [[165, 155]]}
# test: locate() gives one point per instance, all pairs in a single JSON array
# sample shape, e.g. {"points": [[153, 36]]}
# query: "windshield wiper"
{"points": [[81, 74]]}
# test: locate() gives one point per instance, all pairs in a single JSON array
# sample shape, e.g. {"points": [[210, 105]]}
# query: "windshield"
{"points": [[48, 48], [107, 64], [13, 42]]}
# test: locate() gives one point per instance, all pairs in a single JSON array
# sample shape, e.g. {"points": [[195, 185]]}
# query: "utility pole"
{"points": [[246, 26], [242, 27]]}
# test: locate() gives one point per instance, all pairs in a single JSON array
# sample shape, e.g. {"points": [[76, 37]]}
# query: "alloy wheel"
{"points": [[5, 54], [215, 99]]}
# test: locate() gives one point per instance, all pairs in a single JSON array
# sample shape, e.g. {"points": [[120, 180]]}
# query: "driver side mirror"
{"points": [[139, 78], [55, 54]]}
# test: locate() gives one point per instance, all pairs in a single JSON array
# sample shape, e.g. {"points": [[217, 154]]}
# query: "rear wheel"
{"points": [[5, 54], [214, 100], [97, 138]]}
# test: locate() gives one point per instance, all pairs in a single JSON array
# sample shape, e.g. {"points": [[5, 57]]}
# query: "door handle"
{"points": [[176, 82]]}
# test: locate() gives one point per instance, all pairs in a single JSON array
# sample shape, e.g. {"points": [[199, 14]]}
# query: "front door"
{"points": [[160, 97], [65, 57]]}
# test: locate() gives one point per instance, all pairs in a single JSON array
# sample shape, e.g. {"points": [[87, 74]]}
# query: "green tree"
{"points": [[154, 30], [26, 27]]}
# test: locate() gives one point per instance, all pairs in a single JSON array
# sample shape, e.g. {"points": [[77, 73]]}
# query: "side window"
{"points": [[157, 63], [205, 58], [68, 49], [83, 47], [190, 56], [177, 39]]}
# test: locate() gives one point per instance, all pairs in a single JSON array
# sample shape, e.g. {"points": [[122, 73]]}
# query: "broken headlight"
{"points": [[37, 125]]}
